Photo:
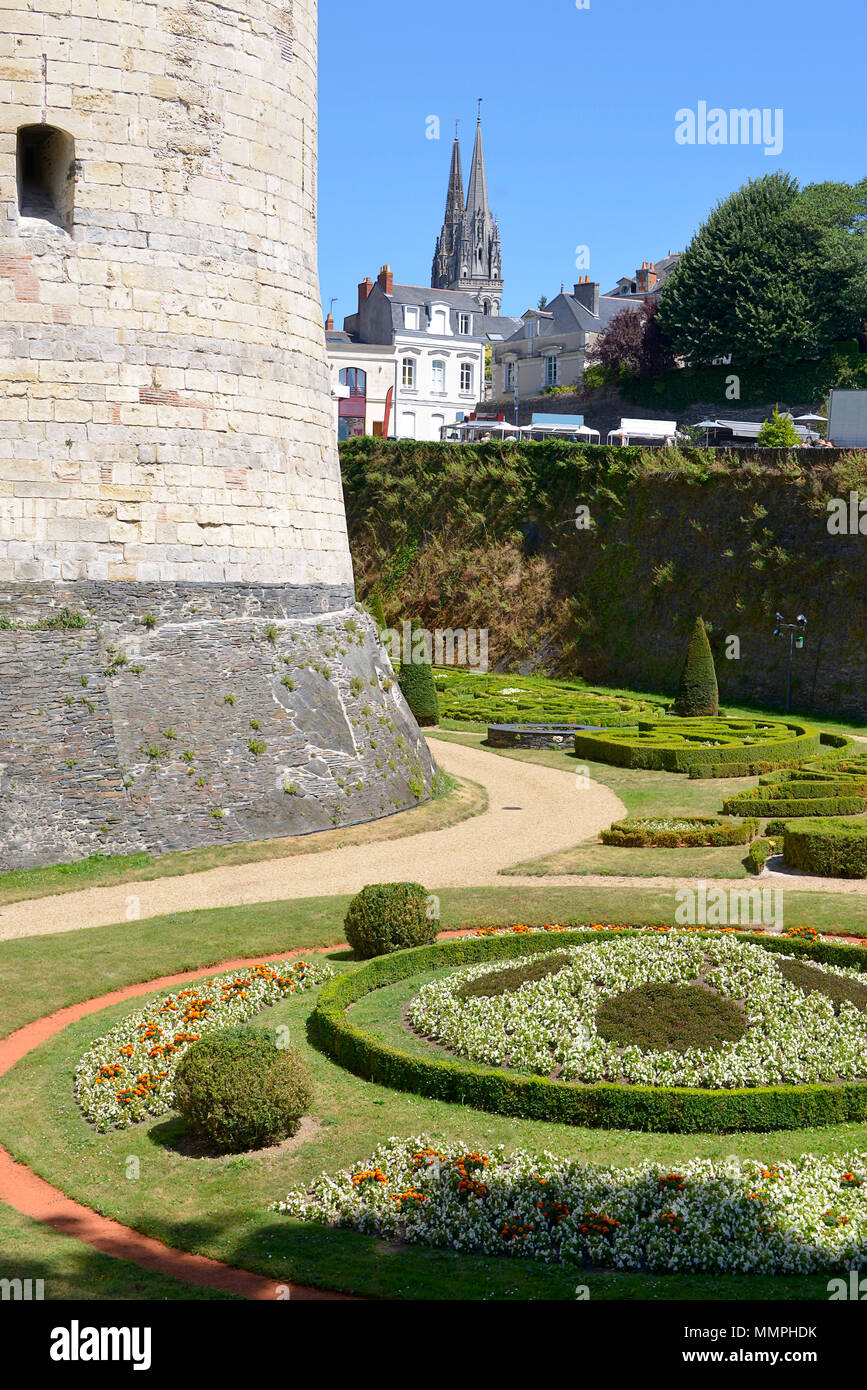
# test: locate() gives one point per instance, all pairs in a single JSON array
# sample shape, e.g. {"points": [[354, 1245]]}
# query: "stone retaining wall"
{"points": [[182, 716]]}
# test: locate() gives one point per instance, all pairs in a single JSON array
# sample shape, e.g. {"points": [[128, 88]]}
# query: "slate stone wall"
{"points": [[188, 715]]}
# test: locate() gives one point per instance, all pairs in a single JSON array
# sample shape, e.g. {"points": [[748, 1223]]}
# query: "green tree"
{"points": [[778, 433], [775, 275], [698, 692], [416, 680], [376, 610]]}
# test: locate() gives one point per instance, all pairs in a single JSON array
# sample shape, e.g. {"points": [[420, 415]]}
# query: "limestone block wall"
{"points": [[164, 400], [184, 715]]}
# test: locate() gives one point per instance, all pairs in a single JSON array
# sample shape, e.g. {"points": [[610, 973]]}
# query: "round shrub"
{"points": [[759, 853], [386, 917], [829, 848], [239, 1090]]}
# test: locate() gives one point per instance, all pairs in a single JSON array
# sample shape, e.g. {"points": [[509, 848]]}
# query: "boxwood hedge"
{"points": [[687, 1110], [637, 833], [794, 806], [686, 744], [829, 848]]}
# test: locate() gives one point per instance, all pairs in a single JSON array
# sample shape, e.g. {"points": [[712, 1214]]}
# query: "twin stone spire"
{"points": [[468, 255]]}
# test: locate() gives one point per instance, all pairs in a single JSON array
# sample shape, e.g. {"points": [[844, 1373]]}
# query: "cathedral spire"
{"points": [[455, 199], [477, 193], [468, 255]]}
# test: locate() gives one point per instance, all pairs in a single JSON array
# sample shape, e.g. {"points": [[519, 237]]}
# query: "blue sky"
{"points": [[579, 123]]}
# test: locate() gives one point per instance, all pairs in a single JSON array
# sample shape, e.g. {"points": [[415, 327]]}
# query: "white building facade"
{"points": [[427, 347]]}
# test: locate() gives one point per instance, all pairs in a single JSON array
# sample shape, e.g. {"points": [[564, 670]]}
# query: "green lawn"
{"points": [[40, 974], [219, 1207], [537, 684], [71, 1270], [643, 794]]}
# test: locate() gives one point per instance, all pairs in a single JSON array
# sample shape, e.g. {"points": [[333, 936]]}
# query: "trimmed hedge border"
{"points": [[650, 749], [800, 806], [633, 833], [684, 1110], [831, 848]]}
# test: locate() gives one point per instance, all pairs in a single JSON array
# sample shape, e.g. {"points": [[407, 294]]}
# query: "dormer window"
{"points": [[465, 324], [439, 319], [45, 169], [411, 316]]}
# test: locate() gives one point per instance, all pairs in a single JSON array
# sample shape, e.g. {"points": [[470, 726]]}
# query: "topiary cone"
{"points": [[376, 610], [698, 692], [416, 680]]}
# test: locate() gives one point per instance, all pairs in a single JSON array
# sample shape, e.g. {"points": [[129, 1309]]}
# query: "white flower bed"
{"points": [[128, 1074], [733, 1217], [551, 1023]]}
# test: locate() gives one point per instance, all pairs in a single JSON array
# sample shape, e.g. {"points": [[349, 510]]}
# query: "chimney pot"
{"points": [[329, 324], [587, 293]]}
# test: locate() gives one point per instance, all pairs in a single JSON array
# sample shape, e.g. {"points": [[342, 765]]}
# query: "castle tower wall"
{"points": [[169, 480], [165, 410]]}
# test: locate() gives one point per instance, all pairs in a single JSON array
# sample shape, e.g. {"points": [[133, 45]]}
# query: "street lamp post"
{"points": [[796, 633]]}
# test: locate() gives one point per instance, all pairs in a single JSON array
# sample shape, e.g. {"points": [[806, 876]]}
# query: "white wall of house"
{"points": [[437, 378]]}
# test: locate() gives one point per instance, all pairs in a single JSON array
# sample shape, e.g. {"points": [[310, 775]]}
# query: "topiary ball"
{"points": [[387, 917], [240, 1091]]}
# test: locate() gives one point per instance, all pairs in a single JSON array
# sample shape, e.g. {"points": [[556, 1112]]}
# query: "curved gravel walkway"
{"points": [[532, 810], [24, 1190]]}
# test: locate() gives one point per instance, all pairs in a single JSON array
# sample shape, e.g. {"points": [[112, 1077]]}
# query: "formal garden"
{"points": [[501, 1092]]}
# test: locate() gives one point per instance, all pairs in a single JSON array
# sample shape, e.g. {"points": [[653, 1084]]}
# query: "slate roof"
{"points": [[566, 314], [458, 302]]}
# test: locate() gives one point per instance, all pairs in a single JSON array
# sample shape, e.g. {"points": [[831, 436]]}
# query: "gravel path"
{"points": [[533, 810]]}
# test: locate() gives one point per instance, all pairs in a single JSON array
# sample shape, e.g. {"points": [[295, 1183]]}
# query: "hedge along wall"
{"points": [[686, 1110], [485, 536]]}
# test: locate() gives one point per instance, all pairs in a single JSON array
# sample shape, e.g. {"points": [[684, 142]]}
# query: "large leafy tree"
{"points": [[774, 275]]}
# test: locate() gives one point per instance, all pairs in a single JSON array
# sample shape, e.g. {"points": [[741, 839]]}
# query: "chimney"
{"points": [[329, 324], [587, 293], [364, 290], [645, 278], [386, 280]]}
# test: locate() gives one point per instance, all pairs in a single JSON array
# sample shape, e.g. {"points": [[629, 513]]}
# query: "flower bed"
{"points": [[552, 1026], [685, 1109], [127, 1075], [807, 1215], [676, 832], [684, 745]]}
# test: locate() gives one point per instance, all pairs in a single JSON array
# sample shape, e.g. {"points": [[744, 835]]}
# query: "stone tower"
{"points": [[180, 655], [468, 255]]}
